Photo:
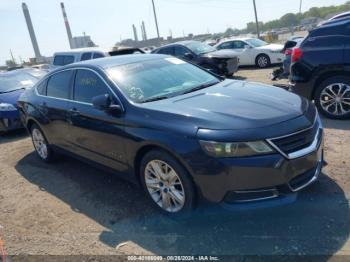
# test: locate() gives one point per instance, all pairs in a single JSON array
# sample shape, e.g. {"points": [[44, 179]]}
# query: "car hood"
{"points": [[224, 53], [11, 97], [271, 47], [231, 105]]}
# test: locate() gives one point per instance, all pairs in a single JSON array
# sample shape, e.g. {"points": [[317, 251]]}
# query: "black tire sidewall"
{"points": [[268, 61], [181, 172], [322, 86], [49, 150]]}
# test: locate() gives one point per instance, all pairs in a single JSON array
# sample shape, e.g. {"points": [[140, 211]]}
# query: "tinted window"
{"points": [[88, 85], [59, 84], [180, 51], [86, 56], [61, 60], [98, 55], [199, 47], [41, 88], [238, 44], [166, 50], [227, 45]]}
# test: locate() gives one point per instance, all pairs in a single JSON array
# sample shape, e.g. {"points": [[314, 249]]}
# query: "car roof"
{"points": [[236, 38], [340, 16], [80, 50], [183, 43], [111, 61]]}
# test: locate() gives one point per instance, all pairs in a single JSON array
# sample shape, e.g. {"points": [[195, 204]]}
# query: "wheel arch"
{"points": [[143, 150], [30, 122]]}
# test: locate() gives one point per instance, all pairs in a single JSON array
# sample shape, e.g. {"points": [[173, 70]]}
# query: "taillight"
{"points": [[296, 54], [288, 52]]}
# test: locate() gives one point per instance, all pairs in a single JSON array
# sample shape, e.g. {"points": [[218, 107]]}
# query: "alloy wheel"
{"points": [[335, 99], [39, 143], [262, 61], [164, 186]]}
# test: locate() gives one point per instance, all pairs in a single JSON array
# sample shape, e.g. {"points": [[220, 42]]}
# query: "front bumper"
{"points": [[304, 89], [10, 121], [255, 179]]}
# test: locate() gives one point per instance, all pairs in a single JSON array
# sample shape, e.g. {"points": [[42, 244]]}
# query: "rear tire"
{"points": [[167, 183], [332, 97], [41, 146], [262, 61]]}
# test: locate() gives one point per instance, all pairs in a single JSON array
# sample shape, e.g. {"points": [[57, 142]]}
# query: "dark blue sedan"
{"points": [[182, 133], [12, 85]]}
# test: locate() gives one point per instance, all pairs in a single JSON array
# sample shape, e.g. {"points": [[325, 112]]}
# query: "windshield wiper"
{"points": [[200, 87], [13, 90], [156, 98]]}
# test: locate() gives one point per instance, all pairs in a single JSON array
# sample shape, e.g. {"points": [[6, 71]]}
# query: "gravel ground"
{"points": [[70, 208]]}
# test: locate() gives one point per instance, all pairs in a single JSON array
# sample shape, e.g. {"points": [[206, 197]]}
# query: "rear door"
{"points": [[95, 134], [347, 46], [54, 105]]}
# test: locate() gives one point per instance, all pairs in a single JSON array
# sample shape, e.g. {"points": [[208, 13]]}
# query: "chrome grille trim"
{"points": [[302, 152]]}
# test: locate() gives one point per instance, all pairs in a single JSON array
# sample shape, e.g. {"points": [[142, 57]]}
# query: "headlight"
{"points": [[236, 149], [7, 107]]}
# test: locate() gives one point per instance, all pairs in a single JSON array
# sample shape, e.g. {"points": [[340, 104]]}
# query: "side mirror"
{"points": [[188, 56], [247, 47], [104, 102]]}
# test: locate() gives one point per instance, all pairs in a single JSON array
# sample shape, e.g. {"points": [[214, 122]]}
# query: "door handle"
{"points": [[74, 112]]}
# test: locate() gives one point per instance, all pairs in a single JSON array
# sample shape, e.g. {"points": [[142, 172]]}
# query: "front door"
{"points": [[95, 134]]}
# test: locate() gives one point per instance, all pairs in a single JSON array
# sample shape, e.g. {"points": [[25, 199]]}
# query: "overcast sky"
{"points": [[106, 21]]}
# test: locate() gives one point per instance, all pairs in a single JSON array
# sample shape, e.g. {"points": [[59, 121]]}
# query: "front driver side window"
{"points": [[238, 45], [227, 45], [88, 85]]}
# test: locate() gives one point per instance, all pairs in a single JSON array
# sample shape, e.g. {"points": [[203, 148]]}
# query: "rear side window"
{"points": [[85, 56], [59, 84], [88, 85], [61, 60], [41, 88], [98, 55], [166, 50]]}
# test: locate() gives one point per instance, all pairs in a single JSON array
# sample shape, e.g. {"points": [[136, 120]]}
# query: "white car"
{"points": [[76, 55], [253, 51]]}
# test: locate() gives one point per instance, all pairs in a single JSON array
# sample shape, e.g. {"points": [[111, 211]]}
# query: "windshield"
{"points": [[200, 48], [14, 81], [159, 78], [256, 42]]}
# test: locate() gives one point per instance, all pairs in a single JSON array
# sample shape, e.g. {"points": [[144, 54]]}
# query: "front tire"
{"points": [[41, 146], [167, 183], [332, 97], [262, 61]]}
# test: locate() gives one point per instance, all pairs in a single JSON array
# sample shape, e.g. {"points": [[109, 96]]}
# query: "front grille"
{"points": [[297, 141], [232, 65]]}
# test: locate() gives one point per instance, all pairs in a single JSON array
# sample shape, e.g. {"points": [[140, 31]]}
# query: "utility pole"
{"points": [[13, 59], [155, 18], [256, 20], [301, 2]]}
